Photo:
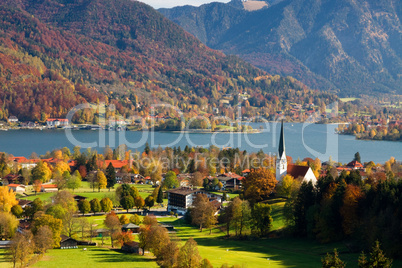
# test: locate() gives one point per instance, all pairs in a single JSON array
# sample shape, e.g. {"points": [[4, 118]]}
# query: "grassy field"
{"points": [[93, 257], [216, 247], [85, 190], [273, 252]]}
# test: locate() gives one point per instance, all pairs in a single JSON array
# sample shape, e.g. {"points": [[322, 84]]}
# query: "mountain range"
{"points": [[55, 54], [351, 46]]}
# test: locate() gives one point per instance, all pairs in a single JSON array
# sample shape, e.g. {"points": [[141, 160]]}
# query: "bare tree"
{"points": [[93, 181], [113, 223], [83, 225], [21, 248], [43, 239], [203, 212]]}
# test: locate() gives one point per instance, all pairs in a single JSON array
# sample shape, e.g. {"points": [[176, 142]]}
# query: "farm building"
{"points": [[67, 242]]}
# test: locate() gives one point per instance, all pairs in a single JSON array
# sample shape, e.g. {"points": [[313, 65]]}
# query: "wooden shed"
{"points": [[130, 227], [67, 242]]}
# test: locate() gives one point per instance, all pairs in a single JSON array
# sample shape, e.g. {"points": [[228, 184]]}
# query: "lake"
{"points": [[302, 140]]}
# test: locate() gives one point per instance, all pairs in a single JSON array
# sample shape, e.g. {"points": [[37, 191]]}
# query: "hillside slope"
{"points": [[354, 46], [55, 54]]}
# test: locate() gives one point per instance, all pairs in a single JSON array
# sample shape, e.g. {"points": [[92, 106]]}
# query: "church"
{"points": [[303, 173]]}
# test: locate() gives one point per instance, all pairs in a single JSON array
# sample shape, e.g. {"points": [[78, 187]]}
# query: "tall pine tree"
{"points": [[159, 199], [110, 176]]}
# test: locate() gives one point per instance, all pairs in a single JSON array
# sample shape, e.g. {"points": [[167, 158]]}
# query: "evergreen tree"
{"points": [[147, 149], [191, 166], [377, 258], [110, 176], [357, 157], [333, 261], [159, 199]]}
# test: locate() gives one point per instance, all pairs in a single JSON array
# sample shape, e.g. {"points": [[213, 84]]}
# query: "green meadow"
{"points": [[85, 190], [215, 246], [92, 257]]}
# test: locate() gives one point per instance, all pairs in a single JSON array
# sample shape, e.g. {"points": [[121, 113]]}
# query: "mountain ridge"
{"points": [[121, 52], [353, 46]]}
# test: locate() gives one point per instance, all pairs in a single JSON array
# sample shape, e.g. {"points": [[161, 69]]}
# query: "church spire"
{"points": [[281, 142]]}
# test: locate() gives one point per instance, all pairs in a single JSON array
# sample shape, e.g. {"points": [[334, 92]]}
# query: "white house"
{"points": [[13, 119], [17, 188], [180, 199], [49, 188], [54, 122]]}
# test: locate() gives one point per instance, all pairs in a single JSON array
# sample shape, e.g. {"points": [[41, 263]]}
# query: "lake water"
{"points": [[302, 140]]}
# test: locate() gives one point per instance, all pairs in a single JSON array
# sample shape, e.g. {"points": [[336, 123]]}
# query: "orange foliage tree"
{"points": [[258, 185]]}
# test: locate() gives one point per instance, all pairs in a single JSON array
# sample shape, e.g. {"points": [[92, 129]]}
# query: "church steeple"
{"points": [[281, 142], [281, 161]]}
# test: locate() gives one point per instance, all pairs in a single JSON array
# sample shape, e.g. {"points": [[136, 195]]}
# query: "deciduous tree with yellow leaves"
{"points": [[7, 199]]}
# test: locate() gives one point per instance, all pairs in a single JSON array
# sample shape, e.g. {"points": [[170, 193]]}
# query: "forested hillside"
{"points": [[55, 54], [352, 46]]}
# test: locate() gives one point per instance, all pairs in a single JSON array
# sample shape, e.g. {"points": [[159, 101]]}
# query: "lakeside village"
{"points": [[365, 124], [42, 200]]}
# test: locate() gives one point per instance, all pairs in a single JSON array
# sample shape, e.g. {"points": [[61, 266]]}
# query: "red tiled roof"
{"points": [[229, 175], [115, 163], [57, 119], [297, 171], [355, 164], [49, 186], [20, 159]]}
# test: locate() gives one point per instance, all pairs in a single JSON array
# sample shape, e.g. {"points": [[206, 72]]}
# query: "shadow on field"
{"points": [[288, 251], [118, 256], [3, 256]]}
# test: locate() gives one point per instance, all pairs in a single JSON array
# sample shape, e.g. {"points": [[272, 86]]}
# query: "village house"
{"points": [[12, 119], [117, 164], [48, 188], [24, 203], [17, 188], [354, 165], [56, 122], [230, 181], [180, 199], [12, 179], [128, 177], [23, 162], [68, 242], [185, 179], [130, 227]]}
